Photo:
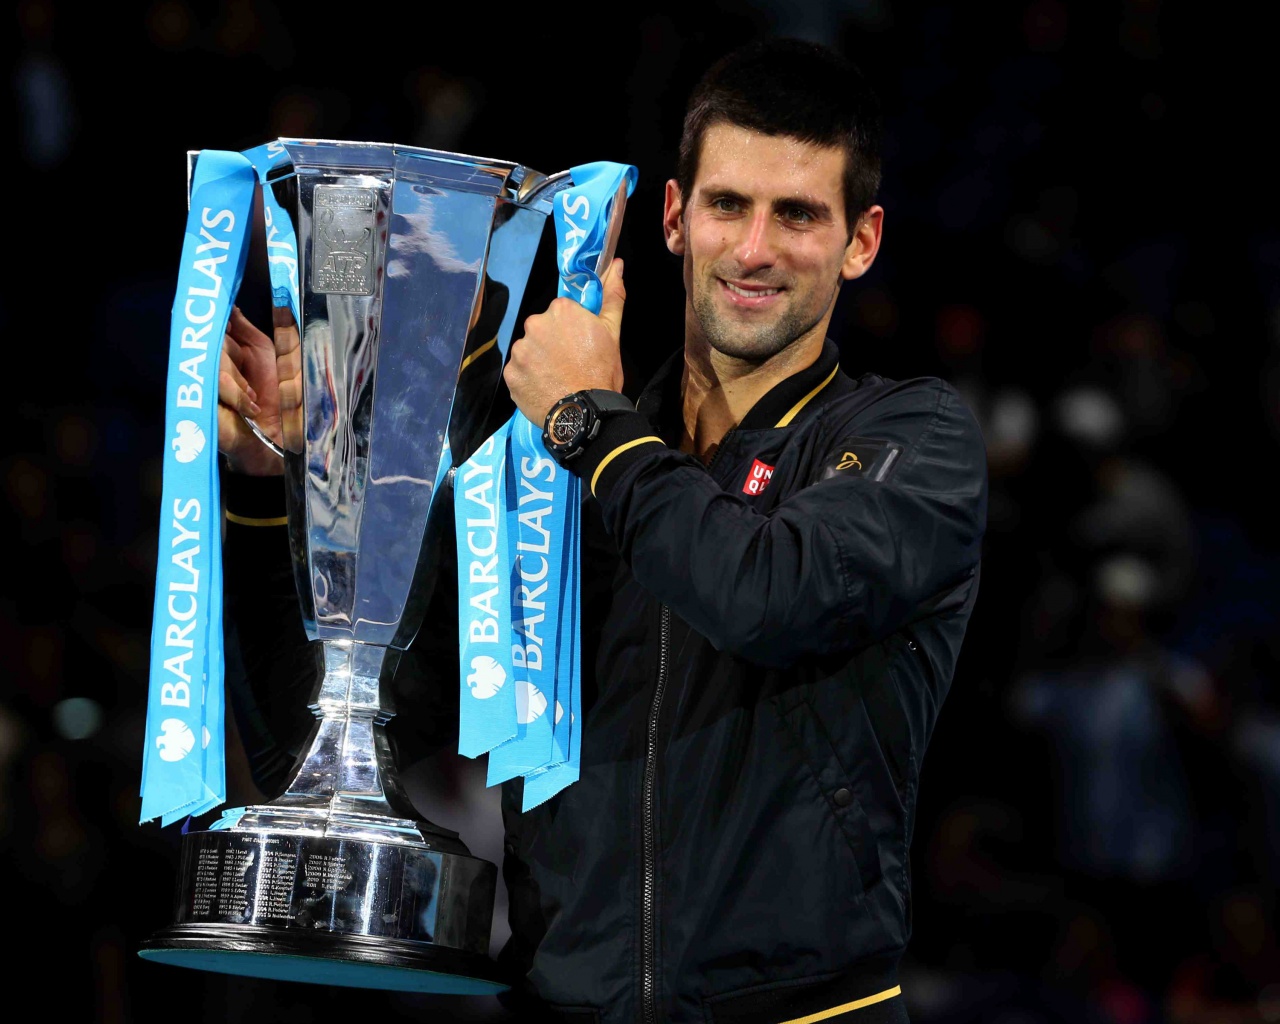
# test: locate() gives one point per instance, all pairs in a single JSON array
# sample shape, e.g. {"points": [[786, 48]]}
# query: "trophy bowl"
{"points": [[388, 265]]}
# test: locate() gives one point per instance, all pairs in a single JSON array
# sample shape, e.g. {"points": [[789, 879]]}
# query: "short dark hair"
{"points": [[797, 89]]}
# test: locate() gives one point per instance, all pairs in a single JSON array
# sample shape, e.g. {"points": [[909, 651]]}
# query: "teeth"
{"points": [[757, 293]]}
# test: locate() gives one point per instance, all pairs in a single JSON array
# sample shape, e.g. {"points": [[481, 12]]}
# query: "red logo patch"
{"points": [[758, 479]]}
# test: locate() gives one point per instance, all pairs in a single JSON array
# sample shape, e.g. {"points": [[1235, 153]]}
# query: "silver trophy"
{"points": [[405, 258]]}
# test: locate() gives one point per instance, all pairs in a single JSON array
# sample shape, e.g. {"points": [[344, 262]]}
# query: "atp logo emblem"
{"points": [[487, 677], [848, 461], [176, 739], [190, 441], [758, 478]]}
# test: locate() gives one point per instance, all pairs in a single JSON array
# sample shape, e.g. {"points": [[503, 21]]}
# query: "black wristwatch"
{"points": [[575, 420]]}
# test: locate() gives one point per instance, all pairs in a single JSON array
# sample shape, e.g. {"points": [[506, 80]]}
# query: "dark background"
{"points": [[1080, 234]]}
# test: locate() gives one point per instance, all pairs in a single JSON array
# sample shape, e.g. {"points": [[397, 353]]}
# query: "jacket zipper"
{"points": [[649, 822], [649, 811]]}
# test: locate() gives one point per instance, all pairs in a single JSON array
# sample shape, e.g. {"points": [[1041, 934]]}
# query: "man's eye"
{"points": [[798, 215], [725, 205]]}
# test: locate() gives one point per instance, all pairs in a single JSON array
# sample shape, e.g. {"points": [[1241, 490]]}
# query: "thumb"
{"points": [[614, 297]]}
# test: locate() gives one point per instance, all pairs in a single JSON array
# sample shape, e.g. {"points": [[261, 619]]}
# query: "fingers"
{"points": [[230, 426], [230, 369], [244, 452], [231, 395], [234, 391], [290, 394], [242, 330], [285, 340], [615, 297]]}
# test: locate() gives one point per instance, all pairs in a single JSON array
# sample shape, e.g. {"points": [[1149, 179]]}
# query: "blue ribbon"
{"points": [[546, 782], [183, 766], [487, 703], [185, 699], [581, 216], [282, 244], [539, 494], [538, 657]]}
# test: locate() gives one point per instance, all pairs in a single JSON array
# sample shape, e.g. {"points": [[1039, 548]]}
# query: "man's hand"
{"points": [[248, 386], [568, 349]]}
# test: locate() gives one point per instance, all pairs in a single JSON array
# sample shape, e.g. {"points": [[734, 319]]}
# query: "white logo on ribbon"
{"points": [[487, 677], [176, 741], [530, 703], [190, 441]]}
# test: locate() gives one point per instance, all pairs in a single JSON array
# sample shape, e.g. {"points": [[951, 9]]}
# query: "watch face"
{"points": [[566, 423]]}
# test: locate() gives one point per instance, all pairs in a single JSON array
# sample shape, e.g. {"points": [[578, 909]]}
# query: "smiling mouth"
{"points": [[749, 293]]}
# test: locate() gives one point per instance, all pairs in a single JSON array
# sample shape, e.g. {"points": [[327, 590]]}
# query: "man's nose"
{"points": [[756, 246]]}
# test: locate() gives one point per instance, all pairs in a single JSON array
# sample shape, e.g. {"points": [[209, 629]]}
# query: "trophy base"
{"points": [[333, 909], [348, 961]]}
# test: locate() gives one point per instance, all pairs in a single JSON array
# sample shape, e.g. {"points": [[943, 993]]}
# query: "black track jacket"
{"points": [[772, 637]]}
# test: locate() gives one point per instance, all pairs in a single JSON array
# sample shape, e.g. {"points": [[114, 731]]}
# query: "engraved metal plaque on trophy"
{"points": [[402, 252]]}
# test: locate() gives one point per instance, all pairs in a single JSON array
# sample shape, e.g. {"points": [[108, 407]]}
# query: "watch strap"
{"points": [[608, 403]]}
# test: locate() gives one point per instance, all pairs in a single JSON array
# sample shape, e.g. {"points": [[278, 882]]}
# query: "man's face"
{"points": [[764, 240]]}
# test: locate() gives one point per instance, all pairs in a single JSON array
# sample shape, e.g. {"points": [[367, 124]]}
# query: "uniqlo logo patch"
{"points": [[758, 479]]}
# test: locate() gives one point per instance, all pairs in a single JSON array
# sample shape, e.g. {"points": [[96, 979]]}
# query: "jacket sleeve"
{"points": [[836, 565]]}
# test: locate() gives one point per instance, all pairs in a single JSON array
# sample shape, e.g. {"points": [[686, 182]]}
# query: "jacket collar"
{"points": [[778, 407]]}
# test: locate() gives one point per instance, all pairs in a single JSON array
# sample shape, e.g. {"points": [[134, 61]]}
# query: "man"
{"points": [[796, 555]]}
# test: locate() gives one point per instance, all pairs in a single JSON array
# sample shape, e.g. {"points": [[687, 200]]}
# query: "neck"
{"points": [[717, 390]]}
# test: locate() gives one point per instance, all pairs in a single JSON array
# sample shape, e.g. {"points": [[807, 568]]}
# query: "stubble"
{"points": [[755, 342]]}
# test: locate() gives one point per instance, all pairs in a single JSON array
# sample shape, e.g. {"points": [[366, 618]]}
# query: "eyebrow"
{"points": [[819, 209]]}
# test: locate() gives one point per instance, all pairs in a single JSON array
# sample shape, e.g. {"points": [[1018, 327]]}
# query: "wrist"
{"points": [[264, 470], [574, 421], [257, 460], [253, 500]]}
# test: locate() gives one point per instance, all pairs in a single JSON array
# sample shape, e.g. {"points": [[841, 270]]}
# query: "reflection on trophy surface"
{"points": [[401, 254]]}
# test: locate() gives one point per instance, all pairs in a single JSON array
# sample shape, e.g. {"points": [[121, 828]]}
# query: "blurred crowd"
{"points": [[1079, 235]]}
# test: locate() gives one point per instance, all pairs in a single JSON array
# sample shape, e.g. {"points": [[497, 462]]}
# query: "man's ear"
{"points": [[673, 218], [865, 243]]}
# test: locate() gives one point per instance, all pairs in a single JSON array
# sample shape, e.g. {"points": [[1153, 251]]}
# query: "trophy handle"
{"points": [[261, 436]]}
